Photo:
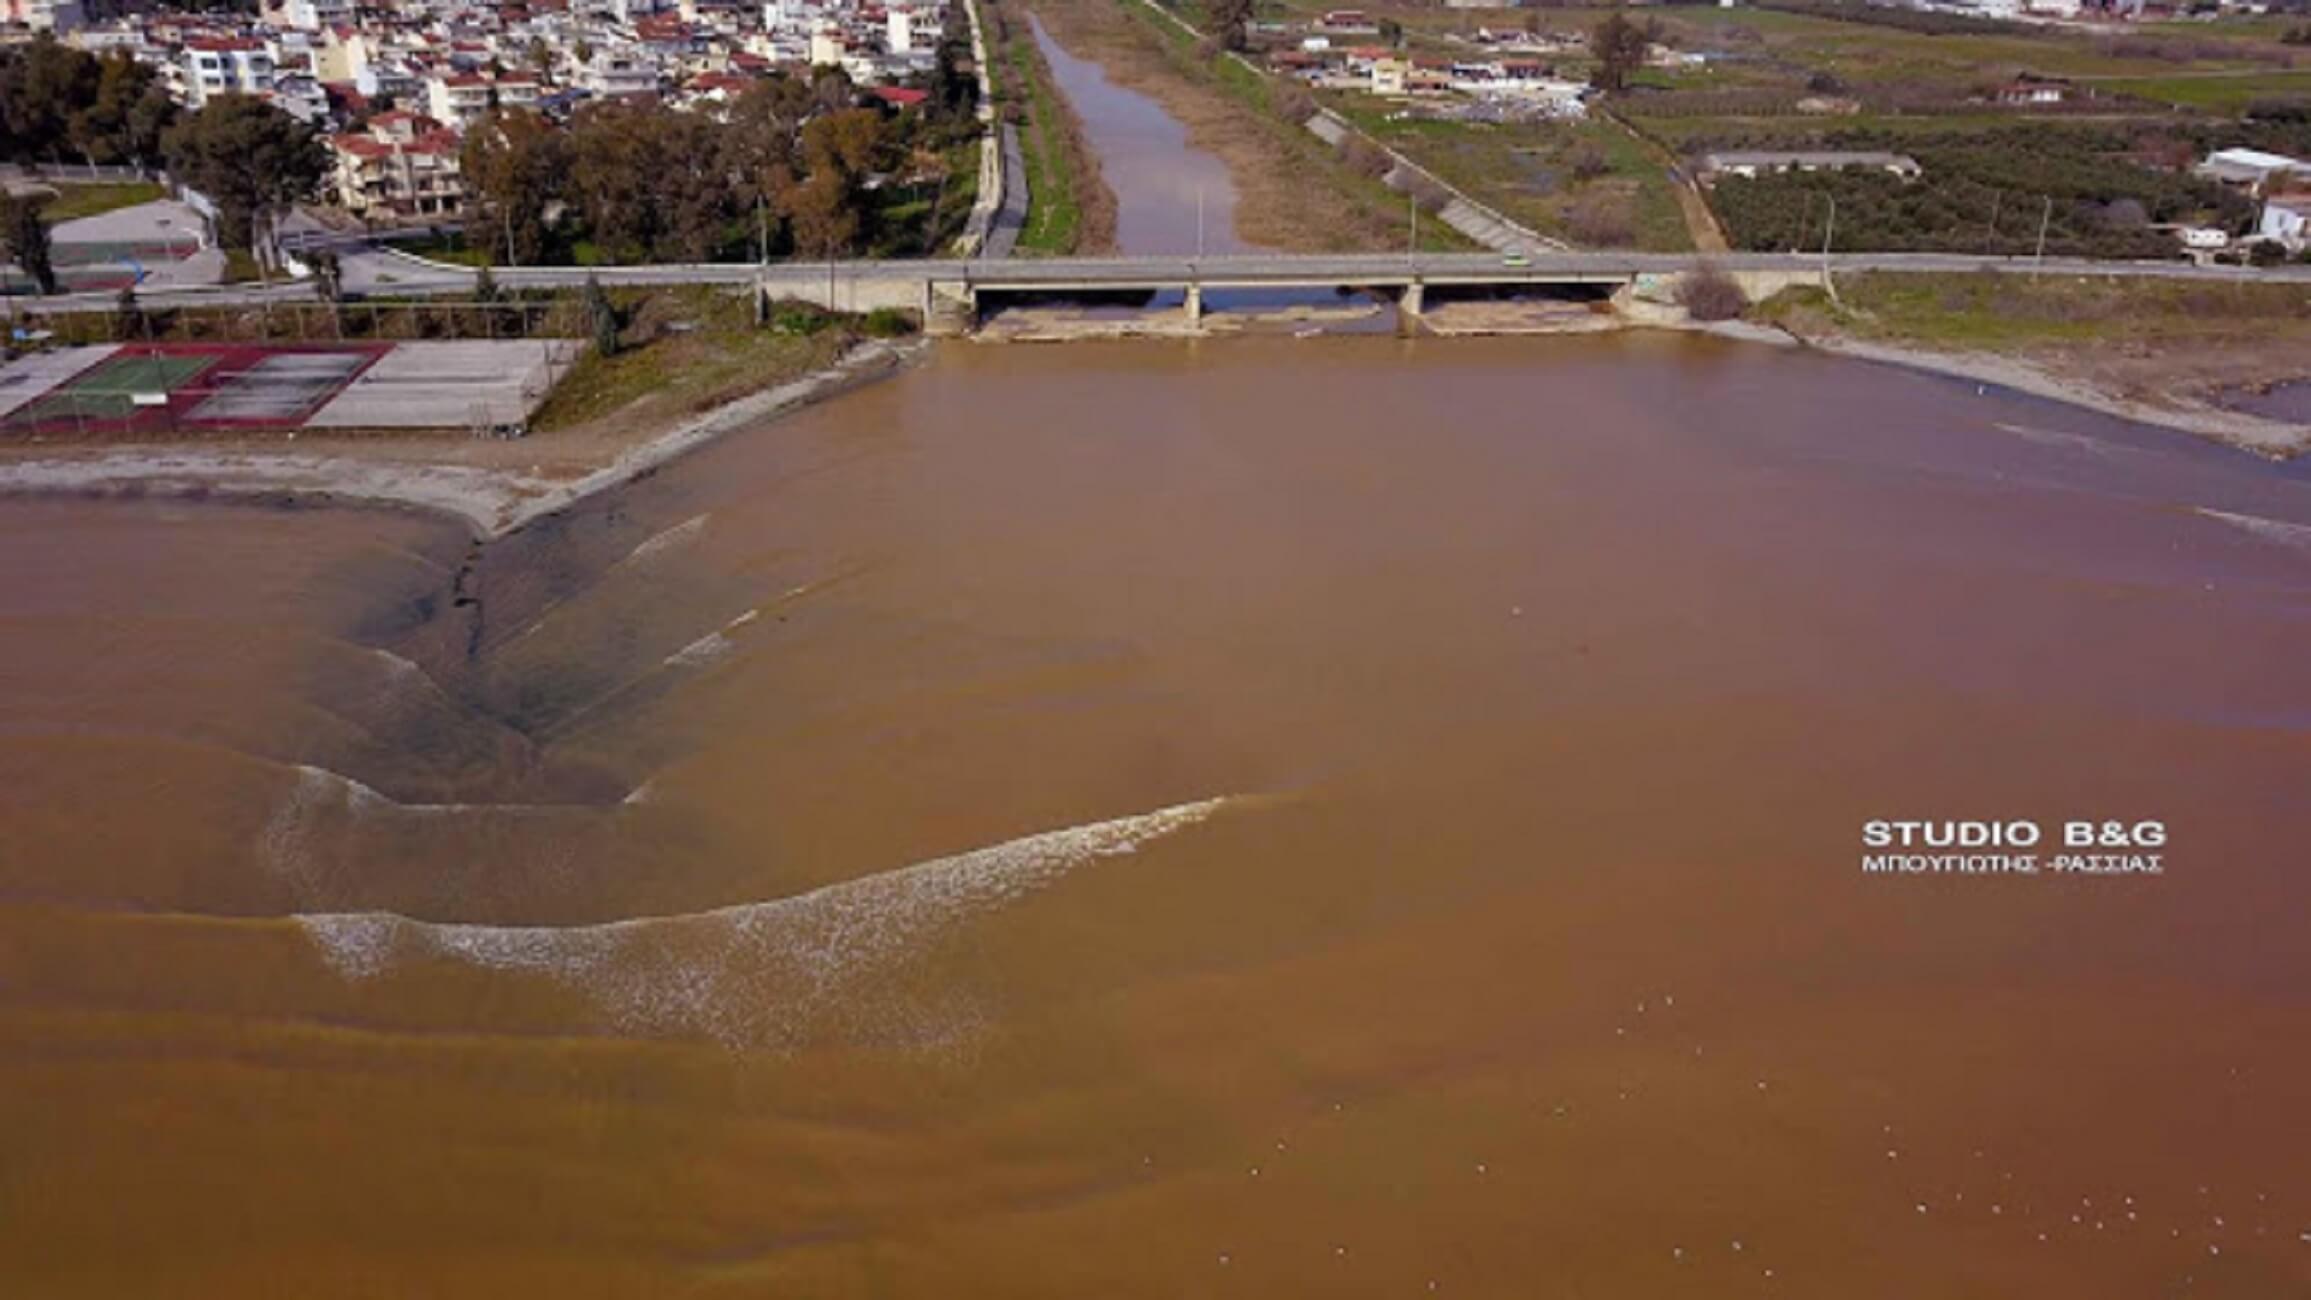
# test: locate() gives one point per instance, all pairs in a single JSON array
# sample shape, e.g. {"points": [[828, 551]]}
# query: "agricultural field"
{"points": [[2100, 164]]}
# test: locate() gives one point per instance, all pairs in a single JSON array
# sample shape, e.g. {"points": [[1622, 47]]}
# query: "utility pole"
{"points": [[1829, 231], [1199, 222], [506, 219], [1412, 240], [257, 244], [2038, 260]]}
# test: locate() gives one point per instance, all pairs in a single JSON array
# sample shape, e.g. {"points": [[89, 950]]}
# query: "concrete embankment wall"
{"points": [[1481, 224]]}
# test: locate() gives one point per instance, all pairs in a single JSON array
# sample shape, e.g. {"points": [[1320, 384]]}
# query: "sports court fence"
{"points": [[315, 322]]}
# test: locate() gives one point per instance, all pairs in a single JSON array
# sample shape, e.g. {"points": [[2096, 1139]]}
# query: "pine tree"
{"points": [[602, 318]]}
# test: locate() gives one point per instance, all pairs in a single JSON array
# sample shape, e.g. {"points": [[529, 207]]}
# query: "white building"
{"points": [[315, 15], [217, 65], [616, 72], [302, 98], [2287, 220], [2251, 169], [59, 16]]}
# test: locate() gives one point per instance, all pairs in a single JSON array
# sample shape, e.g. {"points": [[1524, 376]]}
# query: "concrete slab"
{"points": [[29, 378], [451, 385], [165, 238]]}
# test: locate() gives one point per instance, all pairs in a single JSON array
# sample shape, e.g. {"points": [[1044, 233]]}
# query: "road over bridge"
{"points": [[952, 291]]}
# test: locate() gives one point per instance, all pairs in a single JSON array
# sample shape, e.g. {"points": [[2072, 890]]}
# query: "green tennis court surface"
{"points": [[107, 392]]}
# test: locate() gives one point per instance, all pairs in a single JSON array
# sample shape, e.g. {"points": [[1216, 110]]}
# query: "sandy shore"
{"points": [[2276, 439], [417, 474]]}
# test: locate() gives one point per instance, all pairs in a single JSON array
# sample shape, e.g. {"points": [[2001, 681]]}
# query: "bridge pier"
{"points": [[1195, 306], [1408, 309]]}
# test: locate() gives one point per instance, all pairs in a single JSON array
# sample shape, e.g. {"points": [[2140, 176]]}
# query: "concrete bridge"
{"points": [[952, 294]]}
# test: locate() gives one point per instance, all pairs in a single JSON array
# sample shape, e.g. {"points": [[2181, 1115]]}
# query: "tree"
{"points": [[1618, 46], [42, 85], [1231, 22], [485, 285], [24, 238], [328, 275], [251, 159], [826, 220], [513, 162], [601, 319], [839, 151], [126, 116], [695, 190], [614, 175]]}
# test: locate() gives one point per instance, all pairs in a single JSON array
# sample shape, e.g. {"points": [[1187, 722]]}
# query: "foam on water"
{"points": [[2056, 438], [686, 531], [328, 833], [701, 652], [766, 974], [2296, 536]]}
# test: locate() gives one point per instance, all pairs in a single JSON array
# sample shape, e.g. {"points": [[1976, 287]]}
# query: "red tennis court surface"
{"points": [[153, 389]]}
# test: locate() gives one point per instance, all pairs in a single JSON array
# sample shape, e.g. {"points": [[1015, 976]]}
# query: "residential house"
{"points": [[216, 65], [402, 167], [2287, 220], [2252, 170]]}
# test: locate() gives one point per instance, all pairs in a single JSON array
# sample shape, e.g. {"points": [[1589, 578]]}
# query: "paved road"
{"points": [[385, 273]]}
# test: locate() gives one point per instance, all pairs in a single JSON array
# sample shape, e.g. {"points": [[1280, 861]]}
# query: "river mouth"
{"points": [[1264, 802]]}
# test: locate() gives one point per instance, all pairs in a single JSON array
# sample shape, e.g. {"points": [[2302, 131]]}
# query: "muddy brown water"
{"points": [[1258, 818]]}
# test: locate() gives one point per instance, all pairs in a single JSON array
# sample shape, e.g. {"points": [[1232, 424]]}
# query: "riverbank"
{"points": [[493, 486], [2167, 354], [496, 487], [2276, 439]]}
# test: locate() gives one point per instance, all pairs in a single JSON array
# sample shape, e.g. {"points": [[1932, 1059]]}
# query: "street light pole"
{"points": [[2038, 260], [1829, 231]]}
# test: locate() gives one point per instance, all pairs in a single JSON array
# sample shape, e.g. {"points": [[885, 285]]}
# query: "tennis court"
{"points": [[161, 390], [109, 391], [166, 387]]}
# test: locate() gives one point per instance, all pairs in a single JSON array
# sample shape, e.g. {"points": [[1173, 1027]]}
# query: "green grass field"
{"points": [[73, 201], [2212, 93]]}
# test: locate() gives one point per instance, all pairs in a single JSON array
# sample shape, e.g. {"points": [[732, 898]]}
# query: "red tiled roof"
{"points": [[899, 96]]}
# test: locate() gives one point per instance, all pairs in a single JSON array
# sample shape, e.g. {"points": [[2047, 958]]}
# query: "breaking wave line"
{"points": [[766, 974], [2297, 536]]}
